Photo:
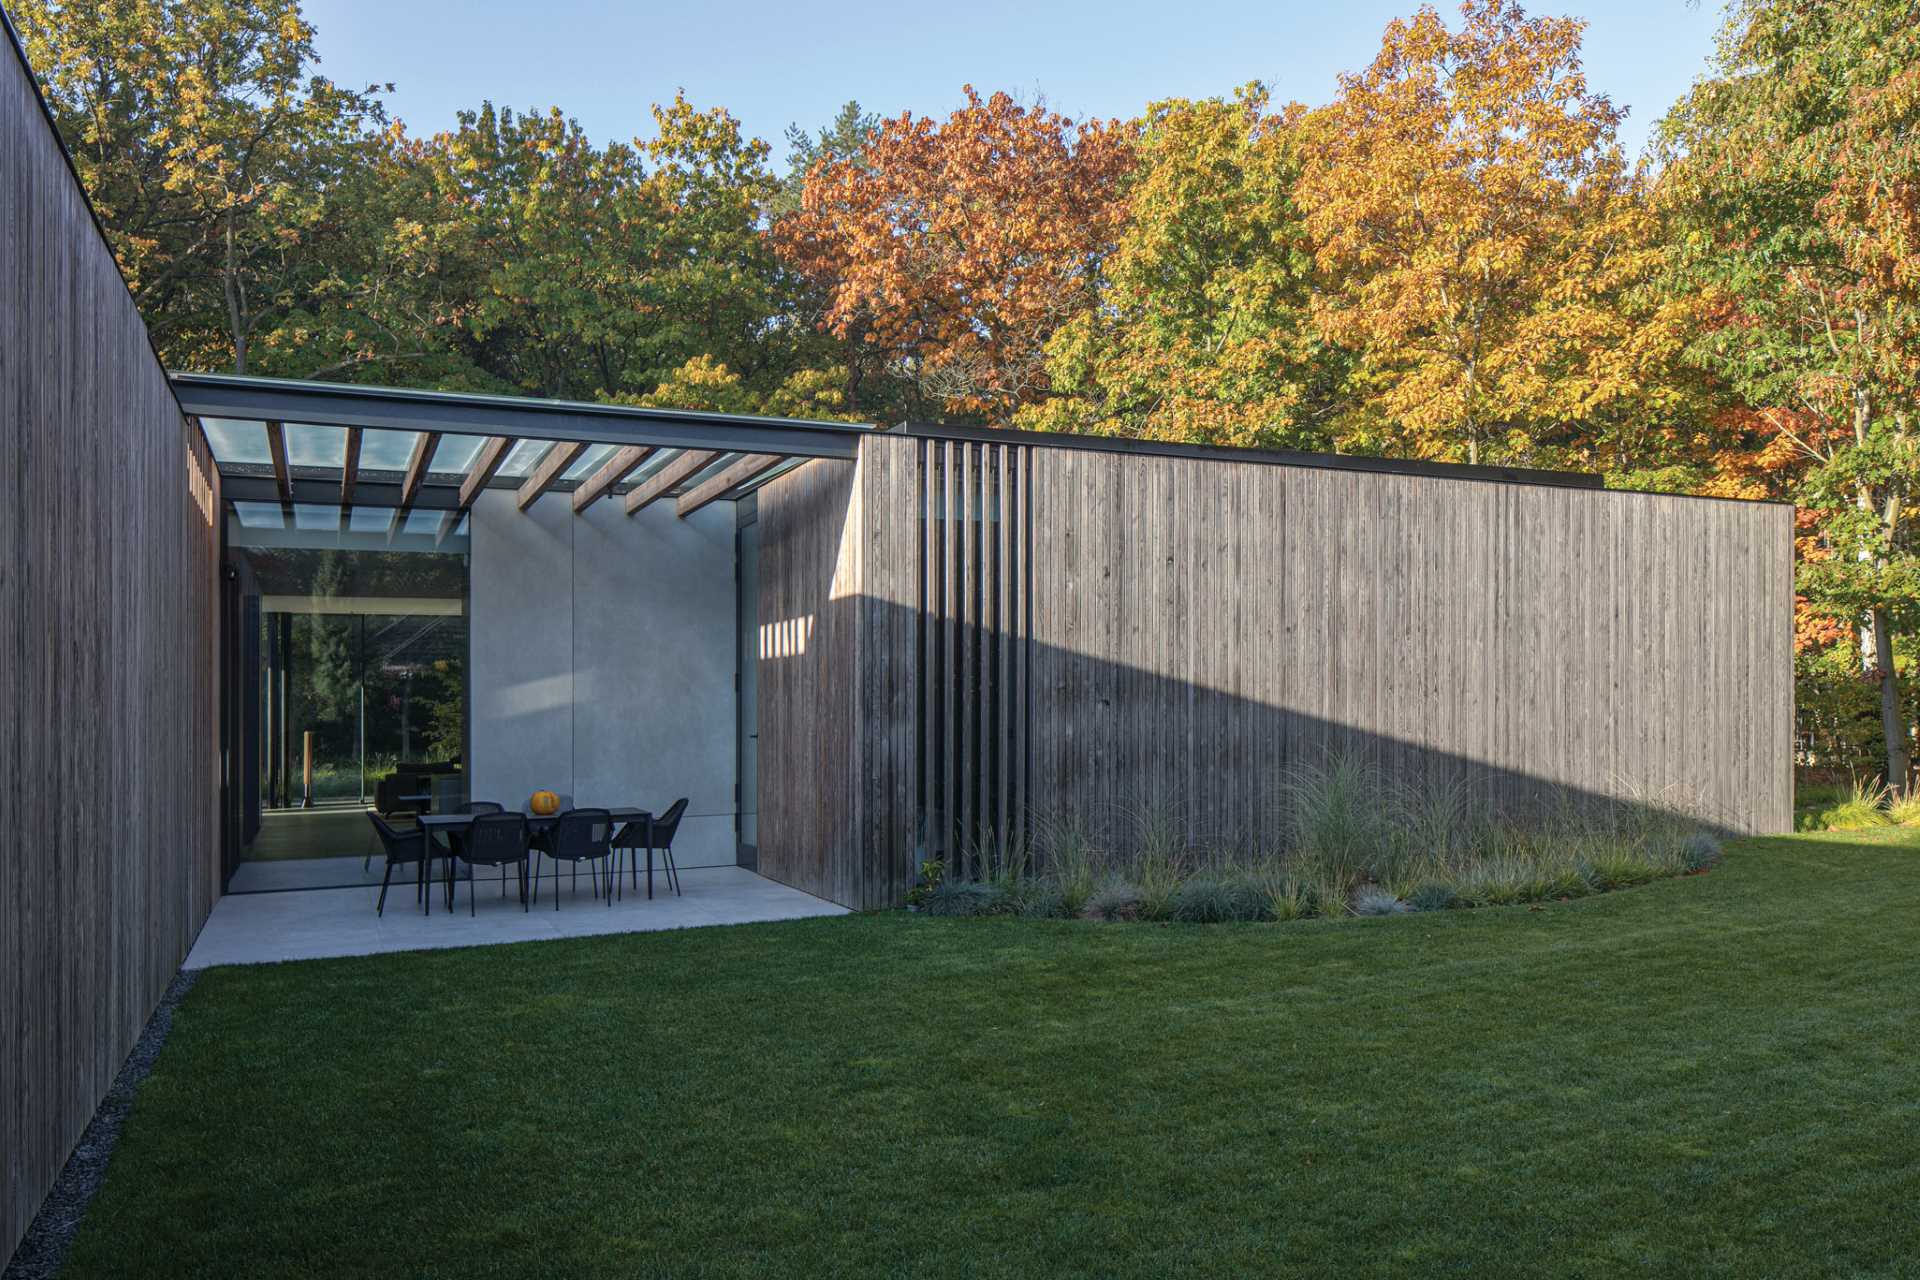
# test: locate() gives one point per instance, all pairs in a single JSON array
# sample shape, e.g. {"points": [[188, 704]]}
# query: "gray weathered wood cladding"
{"points": [[1200, 628], [109, 550], [972, 649], [1050, 634], [808, 780], [838, 624]]}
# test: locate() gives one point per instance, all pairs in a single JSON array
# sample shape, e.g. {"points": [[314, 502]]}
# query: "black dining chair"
{"points": [[657, 833], [581, 835], [401, 848], [492, 840], [479, 807], [386, 800], [630, 838]]}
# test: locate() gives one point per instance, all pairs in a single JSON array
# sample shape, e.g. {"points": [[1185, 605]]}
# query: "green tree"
{"points": [[844, 139], [599, 272], [210, 151], [1202, 331], [1792, 178]]}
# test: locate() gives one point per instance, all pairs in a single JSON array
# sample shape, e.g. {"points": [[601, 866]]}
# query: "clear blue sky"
{"points": [[774, 63]]}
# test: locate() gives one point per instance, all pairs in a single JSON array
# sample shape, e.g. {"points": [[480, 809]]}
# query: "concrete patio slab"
{"points": [[259, 928]]}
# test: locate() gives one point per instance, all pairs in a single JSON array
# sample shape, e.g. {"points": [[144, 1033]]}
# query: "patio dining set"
{"points": [[481, 833]]}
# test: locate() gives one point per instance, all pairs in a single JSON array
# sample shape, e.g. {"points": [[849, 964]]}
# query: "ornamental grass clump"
{"points": [[1865, 806], [1113, 899], [967, 898], [1210, 899], [1375, 901], [1702, 851], [1290, 899], [1905, 812], [1341, 841], [1433, 895]]}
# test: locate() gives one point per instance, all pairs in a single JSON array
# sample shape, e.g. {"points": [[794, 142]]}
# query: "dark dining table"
{"points": [[454, 823]]}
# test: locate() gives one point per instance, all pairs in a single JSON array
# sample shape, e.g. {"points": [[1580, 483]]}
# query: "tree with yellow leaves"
{"points": [[1203, 331], [1482, 244]]}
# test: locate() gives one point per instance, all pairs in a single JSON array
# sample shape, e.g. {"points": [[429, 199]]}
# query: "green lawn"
{"points": [[1712, 1075]]}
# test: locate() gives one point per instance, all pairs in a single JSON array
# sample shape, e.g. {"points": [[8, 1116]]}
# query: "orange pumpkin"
{"points": [[543, 804]]}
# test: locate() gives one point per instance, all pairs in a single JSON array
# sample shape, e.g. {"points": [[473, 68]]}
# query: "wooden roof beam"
{"points": [[611, 472], [350, 467], [277, 448], [662, 482], [485, 464], [423, 450], [553, 464], [727, 479]]}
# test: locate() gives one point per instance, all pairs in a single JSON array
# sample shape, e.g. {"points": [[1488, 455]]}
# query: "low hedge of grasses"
{"points": [[1350, 844], [1859, 806]]}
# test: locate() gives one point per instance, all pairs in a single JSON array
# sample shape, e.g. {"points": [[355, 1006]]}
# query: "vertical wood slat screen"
{"points": [[975, 620]]}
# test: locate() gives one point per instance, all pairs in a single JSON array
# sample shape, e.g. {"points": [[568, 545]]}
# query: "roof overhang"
{"points": [[533, 446], [221, 395]]}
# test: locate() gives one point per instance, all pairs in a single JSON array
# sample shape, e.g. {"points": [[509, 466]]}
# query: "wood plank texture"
{"points": [[744, 471], [277, 451], [350, 466], [553, 464], [667, 478], [1205, 626], [1053, 635], [616, 468], [484, 466], [424, 447], [109, 560], [809, 768], [971, 643]]}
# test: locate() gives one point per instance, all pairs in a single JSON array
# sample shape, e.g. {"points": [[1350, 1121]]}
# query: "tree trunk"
{"points": [[1892, 723], [230, 287]]}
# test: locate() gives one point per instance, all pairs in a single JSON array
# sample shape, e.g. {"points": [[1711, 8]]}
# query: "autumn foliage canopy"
{"points": [[953, 250], [1453, 258]]}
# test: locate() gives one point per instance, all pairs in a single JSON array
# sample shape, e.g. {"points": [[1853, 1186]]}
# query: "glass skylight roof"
{"points": [[388, 450], [454, 456], [260, 515], [589, 462], [239, 442], [525, 457], [369, 519], [314, 446], [241, 446], [306, 517]]}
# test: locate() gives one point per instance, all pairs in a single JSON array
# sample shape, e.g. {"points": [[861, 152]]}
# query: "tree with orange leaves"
{"points": [[954, 250], [1482, 242]]}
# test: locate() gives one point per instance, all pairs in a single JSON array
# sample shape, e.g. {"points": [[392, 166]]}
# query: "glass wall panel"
{"points": [[359, 681]]}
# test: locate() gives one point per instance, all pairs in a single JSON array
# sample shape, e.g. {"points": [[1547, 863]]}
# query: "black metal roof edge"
{"points": [[1268, 457], [346, 404], [1296, 458]]}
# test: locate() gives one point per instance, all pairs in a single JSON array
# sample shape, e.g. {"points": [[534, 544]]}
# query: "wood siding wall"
{"points": [[1194, 630], [839, 625], [976, 615], [109, 550], [1200, 628], [807, 765]]}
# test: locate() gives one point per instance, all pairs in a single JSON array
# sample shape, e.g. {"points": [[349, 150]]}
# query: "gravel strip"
{"points": [[44, 1250]]}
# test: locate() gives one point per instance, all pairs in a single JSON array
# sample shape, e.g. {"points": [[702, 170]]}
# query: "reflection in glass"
{"points": [[354, 673], [315, 446], [239, 442]]}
